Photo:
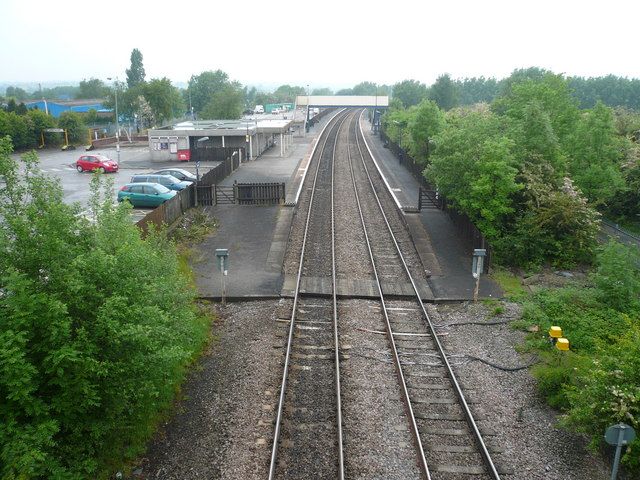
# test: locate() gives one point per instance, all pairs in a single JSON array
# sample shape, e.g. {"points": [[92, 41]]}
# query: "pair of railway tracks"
{"points": [[308, 435]]}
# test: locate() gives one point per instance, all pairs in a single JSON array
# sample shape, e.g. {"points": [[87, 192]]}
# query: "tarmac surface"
{"points": [[256, 236]]}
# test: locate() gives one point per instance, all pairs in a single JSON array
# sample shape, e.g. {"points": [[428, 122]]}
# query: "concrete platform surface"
{"points": [[256, 236]]}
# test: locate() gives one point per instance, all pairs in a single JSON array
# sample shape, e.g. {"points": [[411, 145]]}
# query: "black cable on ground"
{"points": [[497, 322], [500, 367]]}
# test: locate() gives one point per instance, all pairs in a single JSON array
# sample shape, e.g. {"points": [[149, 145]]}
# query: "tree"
{"points": [[475, 167], [250, 97], [204, 86], [164, 99], [11, 105], [409, 92], [477, 90], [444, 92], [427, 123], [135, 74], [92, 88], [73, 123], [97, 328], [38, 122], [365, 88], [322, 91], [552, 94], [17, 128], [288, 93], [225, 104], [596, 155], [16, 93]]}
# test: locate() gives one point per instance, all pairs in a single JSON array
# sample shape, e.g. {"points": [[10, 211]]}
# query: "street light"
{"points": [[306, 120], [115, 87]]}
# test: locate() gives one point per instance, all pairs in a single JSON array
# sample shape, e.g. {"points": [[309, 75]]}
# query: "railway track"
{"points": [[308, 430], [308, 437], [447, 439]]}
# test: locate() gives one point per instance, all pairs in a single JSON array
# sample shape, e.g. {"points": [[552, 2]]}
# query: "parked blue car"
{"points": [[168, 181], [145, 194]]}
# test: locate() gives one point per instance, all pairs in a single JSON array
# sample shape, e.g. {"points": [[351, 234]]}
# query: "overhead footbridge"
{"points": [[343, 101], [376, 102]]}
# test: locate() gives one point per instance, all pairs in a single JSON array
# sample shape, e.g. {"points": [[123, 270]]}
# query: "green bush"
{"points": [[97, 328], [618, 277], [608, 391], [598, 382]]}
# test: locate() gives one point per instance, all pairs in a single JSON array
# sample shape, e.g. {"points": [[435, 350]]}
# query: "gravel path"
{"points": [[534, 447], [223, 425]]}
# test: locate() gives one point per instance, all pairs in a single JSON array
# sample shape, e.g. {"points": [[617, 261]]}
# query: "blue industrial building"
{"points": [[56, 107]]}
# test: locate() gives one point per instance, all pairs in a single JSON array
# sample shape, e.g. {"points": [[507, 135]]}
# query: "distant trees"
{"points": [[163, 98], [409, 92], [322, 91], [16, 93], [92, 88], [202, 87], [444, 92], [225, 104]]}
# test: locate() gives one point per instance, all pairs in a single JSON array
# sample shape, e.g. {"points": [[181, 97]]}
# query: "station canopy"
{"points": [[380, 101]]}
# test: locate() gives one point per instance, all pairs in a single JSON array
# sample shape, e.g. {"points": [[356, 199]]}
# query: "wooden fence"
{"points": [[169, 211]]}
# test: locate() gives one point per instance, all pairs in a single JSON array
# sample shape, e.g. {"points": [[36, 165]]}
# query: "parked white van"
{"points": [[259, 109]]}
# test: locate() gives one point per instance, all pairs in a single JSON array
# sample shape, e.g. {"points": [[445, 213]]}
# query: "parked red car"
{"points": [[96, 162]]}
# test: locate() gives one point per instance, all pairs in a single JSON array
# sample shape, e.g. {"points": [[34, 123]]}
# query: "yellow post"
{"points": [[41, 140], [66, 138]]}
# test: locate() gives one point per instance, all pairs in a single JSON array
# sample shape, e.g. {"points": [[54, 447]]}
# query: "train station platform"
{"points": [[256, 236], [442, 252]]}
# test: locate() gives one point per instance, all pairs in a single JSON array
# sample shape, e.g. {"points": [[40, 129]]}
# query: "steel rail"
{"points": [[458, 390], [396, 358], [283, 385], [335, 305]]}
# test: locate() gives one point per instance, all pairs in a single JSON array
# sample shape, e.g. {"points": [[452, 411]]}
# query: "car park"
{"points": [[145, 194], [179, 173], [168, 181], [92, 163]]}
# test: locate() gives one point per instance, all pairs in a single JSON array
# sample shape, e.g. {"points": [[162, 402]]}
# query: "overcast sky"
{"points": [[328, 42]]}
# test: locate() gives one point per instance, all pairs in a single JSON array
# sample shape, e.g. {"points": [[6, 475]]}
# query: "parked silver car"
{"points": [[179, 173]]}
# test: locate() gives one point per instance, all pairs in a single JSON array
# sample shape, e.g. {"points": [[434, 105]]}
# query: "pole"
{"points": [[197, 181], [476, 289], [117, 124], [616, 461], [224, 286]]}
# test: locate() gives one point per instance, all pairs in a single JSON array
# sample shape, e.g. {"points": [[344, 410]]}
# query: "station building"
{"points": [[215, 140]]}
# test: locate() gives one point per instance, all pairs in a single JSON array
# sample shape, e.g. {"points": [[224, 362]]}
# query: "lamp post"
{"points": [[115, 87], [306, 119], [375, 110]]}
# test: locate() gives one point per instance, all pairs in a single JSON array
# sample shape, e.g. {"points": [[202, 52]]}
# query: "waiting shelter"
{"points": [[215, 140]]}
